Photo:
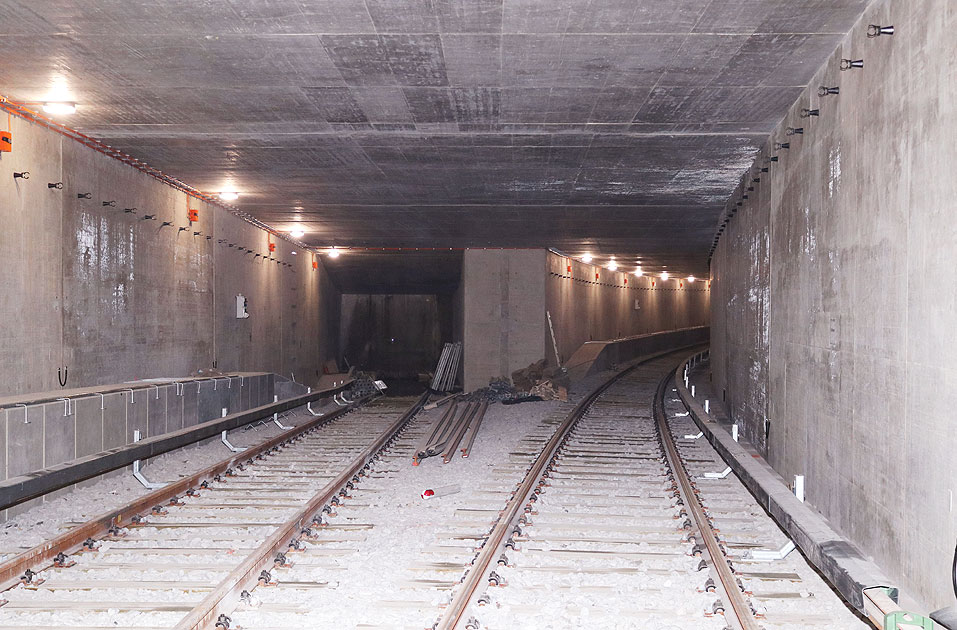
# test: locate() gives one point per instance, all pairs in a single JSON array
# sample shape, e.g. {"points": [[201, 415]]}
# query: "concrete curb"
{"points": [[839, 560]]}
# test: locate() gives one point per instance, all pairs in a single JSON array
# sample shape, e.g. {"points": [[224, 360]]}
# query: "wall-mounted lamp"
{"points": [[22, 175], [794, 131], [165, 223], [148, 217], [111, 204], [873, 30], [807, 113], [57, 185], [773, 158], [129, 210], [782, 145], [828, 91], [848, 64], [84, 195], [765, 169]]}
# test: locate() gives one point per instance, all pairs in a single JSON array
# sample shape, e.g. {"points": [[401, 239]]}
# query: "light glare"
{"points": [[664, 275], [612, 265], [586, 258], [297, 233], [229, 196], [333, 253], [59, 109]]}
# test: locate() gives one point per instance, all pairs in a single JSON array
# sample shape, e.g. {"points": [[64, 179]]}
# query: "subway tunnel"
{"points": [[478, 314]]}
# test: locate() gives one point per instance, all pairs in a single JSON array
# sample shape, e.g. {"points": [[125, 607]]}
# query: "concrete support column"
{"points": [[504, 325]]}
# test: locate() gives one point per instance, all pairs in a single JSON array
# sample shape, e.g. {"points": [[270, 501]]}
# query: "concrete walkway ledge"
{"points": [[839, 560]]}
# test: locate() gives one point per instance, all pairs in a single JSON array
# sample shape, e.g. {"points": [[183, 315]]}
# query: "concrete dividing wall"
{"points": [[503, 314], [835, 300], [114, 296], [616, 304], [507, 295], [43, 434]]}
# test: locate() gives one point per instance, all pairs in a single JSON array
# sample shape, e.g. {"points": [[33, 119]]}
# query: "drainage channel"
{"points": [[188, 563], [617, 525]]}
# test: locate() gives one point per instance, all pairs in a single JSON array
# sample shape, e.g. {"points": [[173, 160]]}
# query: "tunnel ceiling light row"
{"points": [[612, 265]]}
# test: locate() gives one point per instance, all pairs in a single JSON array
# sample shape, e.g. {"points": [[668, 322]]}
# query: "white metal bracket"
{"points": [[765, 555], [275, 417], [149, 485], [721, 475], [694, 437], [235, 449], [309, 405]]}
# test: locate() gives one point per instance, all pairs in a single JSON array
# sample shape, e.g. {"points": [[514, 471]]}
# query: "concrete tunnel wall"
{"points": [[835, 304], [506, 295], [617, 304], [114, 297]]}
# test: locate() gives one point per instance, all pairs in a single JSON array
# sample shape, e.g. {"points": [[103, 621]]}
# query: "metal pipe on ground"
{"points": [[476, 423]]}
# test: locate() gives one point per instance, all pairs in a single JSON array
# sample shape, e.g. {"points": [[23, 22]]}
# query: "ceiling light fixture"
{"points": [[586, 258], [612, 266], [229, 195], [664, 275], [639, 272], [59, 109], [691, 279], [333, 253], [297, 233]]}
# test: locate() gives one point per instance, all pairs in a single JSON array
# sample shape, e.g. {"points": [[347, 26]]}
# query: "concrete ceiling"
{"points": [[417, 272], [617, 127]]}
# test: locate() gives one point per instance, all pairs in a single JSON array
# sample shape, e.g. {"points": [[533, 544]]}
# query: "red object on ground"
{"points": [[428, 493]]}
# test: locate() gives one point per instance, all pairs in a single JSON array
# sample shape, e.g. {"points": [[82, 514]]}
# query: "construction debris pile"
{"points": [[363, 385], [497, 391], [547, 383]]}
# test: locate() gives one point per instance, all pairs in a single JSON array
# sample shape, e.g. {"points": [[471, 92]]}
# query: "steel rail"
{"points": [[730, 591], [72, 539], [224, 598], [34, 484], [468, 415], [469, 589], [476, 424]]}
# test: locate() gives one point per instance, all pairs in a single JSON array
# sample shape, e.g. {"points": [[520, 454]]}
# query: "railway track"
{"points": [[180, 563], [615, 525], [595, 514]]}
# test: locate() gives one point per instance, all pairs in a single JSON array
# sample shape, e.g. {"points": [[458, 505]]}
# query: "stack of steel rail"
{"points": [[453, 428], [447, 369]]}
